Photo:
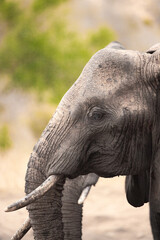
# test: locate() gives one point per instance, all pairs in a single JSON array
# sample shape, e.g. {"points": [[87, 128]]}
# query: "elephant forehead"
{"points": [[132, 103], [111, 60], [107, 72]]}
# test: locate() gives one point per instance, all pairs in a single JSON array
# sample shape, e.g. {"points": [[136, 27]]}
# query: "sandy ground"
{"points": [[107, 215]]}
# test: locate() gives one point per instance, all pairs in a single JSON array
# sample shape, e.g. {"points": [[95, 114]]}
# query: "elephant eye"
{"points": [[96, 114]]}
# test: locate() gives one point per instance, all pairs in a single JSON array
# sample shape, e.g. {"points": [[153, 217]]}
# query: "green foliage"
{"points": [[40, 5], [102, 37], [1, 108], [148, 21], [9, 11], [49, 60], [28, 56], [38, 122], [5, 140]]}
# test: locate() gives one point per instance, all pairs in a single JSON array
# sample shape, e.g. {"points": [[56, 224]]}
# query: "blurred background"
{"points": [[44, 45]]}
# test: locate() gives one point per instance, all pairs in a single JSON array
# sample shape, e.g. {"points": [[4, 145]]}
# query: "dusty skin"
{"points": [[107, 215]]}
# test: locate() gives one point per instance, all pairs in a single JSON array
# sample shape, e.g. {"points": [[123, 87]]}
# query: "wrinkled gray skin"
{"points": [[108, 124], [71, 210]]}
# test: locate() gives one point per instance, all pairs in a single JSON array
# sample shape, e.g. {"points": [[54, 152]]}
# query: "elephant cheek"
{"points": [[67, 160]]}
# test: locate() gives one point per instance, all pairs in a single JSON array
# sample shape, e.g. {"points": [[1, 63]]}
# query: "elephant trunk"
{"points": [[50, 157], [45, 213], [71, 210], [75, 191]]}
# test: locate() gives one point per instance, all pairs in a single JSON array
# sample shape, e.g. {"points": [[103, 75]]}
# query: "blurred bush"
{"points": [[40, 5], [39, 121], [148, 22], [5, 140], [45, 60], [102, 37], [1, 108], [9, 12]]}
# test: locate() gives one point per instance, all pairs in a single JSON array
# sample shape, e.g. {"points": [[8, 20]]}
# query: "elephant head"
{"points": [[107, 123]]}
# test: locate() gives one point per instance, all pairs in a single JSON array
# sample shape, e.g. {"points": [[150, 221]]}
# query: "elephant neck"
{"points": [[45, 213]]}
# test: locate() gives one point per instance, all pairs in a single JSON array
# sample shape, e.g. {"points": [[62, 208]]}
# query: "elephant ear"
{"points": [[137, 189], [154, 48], [155, 183], [154, 199], [155, 167], [115, 45]]}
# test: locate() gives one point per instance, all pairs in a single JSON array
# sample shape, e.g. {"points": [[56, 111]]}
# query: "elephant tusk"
{"points": [[84, 194], [34, 195], [22, 231]]}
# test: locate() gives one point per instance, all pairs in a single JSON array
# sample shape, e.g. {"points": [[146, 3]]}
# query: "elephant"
{"points": [[107, 123]]}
